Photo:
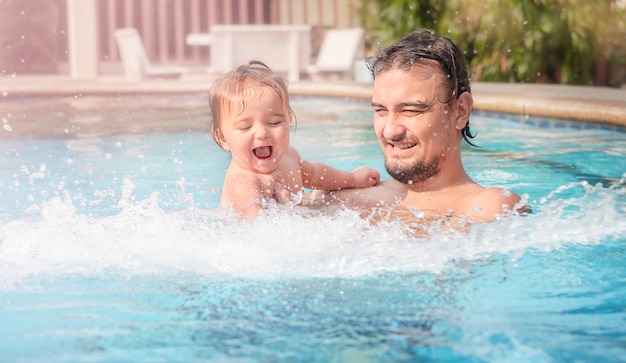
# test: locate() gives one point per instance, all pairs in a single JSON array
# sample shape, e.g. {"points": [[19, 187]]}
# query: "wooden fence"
{"points": [[164, 24], [34, 33]]}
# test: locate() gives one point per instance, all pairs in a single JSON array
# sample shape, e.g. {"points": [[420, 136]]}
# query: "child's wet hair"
{"points": [[232, 88]]}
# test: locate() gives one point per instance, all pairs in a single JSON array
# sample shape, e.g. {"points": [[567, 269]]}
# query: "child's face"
{"points": [[257, 136]]}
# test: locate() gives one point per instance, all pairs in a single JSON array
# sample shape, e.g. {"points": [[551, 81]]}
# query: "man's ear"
{"points": [[464, 105]]}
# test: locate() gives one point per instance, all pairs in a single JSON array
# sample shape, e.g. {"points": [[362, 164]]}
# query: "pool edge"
{"points": [[583, 103]]}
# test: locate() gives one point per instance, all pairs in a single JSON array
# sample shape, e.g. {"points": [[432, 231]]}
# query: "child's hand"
{"points": [[281, 194], [365, 176]]}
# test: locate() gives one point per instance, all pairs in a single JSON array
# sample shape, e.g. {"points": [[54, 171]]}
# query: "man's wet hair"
{"points": [[426, 44]]}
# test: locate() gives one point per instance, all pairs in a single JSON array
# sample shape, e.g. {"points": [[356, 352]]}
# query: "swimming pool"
{"points": [[112, 247]]}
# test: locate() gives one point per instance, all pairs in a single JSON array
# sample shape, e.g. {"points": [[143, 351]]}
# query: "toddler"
{"points": [[251, 120]]}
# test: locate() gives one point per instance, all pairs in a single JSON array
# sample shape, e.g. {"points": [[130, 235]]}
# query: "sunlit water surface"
{"points": [[113, 248]]}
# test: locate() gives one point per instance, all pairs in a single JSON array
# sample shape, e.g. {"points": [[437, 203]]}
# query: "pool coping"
{"points": [[584, 103], [589, 104]]}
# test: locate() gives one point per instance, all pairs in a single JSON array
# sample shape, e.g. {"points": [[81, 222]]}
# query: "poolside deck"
{"points": [[596, 104]]}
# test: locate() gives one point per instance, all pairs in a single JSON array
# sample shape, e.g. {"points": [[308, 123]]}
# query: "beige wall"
{"points": [[57, 40], [327, 13]]}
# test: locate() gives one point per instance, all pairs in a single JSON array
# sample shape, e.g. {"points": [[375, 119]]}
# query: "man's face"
{"points": [[412, 123]]}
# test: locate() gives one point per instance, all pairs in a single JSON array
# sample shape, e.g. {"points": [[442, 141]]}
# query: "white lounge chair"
{"points": [[339, 50], [135, 59]]}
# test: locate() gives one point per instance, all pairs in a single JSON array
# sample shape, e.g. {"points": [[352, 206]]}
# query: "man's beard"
{"points": [[417, 173]]}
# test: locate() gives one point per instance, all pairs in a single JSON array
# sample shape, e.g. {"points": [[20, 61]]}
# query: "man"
{"points": [[422, 103]]}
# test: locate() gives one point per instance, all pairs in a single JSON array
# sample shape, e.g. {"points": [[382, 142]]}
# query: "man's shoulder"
{"points": [[488, 202], [498, 194]]}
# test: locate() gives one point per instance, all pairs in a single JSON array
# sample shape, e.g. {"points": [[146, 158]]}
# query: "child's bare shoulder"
{"points": [[240, 180]]}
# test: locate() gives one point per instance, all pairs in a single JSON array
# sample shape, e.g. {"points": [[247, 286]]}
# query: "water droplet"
{"points": [[418, 213]]}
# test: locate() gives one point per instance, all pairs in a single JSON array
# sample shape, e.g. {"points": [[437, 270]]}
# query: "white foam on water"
{"points": [[144, 239]]}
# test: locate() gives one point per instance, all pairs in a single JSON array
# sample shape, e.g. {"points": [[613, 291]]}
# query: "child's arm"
{"points": [[316, 175]]}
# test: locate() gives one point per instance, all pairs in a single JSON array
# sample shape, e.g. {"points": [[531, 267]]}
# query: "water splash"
{"points": [[144, 239]]}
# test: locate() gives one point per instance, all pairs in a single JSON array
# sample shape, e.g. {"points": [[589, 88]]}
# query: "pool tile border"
{"points": [[543, 122], [601, 105]]}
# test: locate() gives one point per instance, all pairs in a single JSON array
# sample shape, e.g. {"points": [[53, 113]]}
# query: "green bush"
{"points": [[556, 41]]}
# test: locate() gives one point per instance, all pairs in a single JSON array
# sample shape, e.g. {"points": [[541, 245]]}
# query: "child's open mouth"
{"points": [[263, 152]]}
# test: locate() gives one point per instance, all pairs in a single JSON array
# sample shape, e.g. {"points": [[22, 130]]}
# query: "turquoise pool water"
{"points": [[112, 247]]}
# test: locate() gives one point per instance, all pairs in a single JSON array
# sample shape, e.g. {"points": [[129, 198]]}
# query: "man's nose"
{"points": [[393, 126]]}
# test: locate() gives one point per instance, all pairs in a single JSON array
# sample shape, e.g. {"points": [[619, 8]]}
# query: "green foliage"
{"points": [[557, 41], [387, 20]]}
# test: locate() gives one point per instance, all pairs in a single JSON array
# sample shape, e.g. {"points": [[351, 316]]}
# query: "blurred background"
{"points": [[579, 42]]}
